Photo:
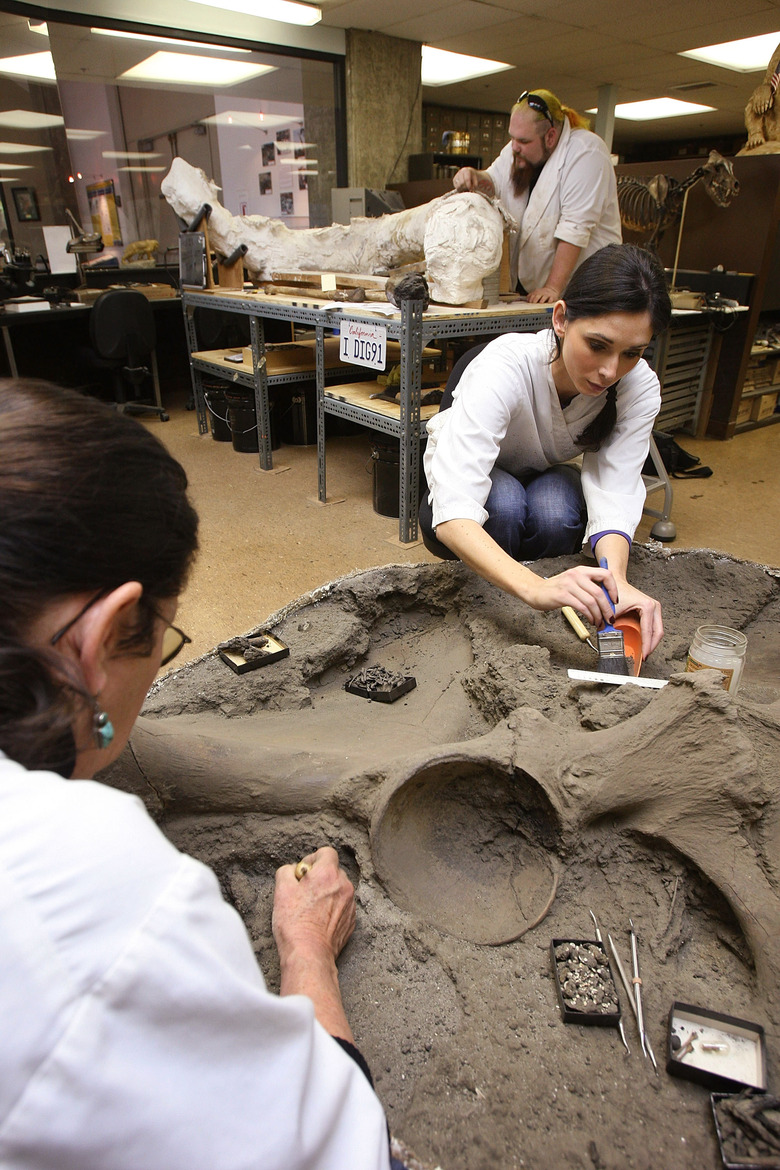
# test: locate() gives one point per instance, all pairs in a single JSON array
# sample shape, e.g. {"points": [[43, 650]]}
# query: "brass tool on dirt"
{"points": [[600, 940]]}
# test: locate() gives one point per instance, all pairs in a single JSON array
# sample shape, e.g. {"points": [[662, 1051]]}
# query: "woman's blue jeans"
{"points": [[542, 515]]}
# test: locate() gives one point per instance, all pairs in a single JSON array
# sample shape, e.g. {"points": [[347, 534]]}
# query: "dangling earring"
{"points": [[102, 728]]}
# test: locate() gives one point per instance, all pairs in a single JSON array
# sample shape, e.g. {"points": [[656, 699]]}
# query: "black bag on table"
{"points": [[680, 464]]}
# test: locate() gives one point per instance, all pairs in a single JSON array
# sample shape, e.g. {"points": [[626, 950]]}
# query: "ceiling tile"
{"points": [[380, 16]]}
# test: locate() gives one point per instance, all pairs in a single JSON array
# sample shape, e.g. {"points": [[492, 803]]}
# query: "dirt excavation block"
{"points": [[484, 814]]}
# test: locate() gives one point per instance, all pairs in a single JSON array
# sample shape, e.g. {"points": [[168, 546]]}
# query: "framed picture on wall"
{"points": [[26, 203], [287, 204], [266, 184], [268, 152]]}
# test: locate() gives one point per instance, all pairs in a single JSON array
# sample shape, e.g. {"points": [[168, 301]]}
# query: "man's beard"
{"points": [[524, 177]]}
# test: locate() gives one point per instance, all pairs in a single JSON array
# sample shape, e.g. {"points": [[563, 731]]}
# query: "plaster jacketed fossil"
{"points": [[460, 237]]}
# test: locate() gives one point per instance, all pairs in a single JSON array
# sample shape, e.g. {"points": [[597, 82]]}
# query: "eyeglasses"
{"points": [[173, 641], [536, 103]]}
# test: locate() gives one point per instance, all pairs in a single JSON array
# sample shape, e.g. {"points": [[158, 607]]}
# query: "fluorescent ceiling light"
{"points": [[112, 32], [145, 169], [655, 109], [286, 11], [294, 162], [129, 154], [304, 172], [748, 55], [20, 148], [442, 68], [37, 65], [9, 178], [295, 145], [16, 167], [243, 119], [84, 135], [29, 120], [187, 68]]}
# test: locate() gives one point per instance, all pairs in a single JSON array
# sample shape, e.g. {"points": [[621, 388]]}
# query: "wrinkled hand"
{"points": [[580, 588], [316, 914], [466, 179], [649, 611], [546, 295]]}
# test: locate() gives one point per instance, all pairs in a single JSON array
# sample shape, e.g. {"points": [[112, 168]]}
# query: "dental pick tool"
{"points": [[637, 982], [600, 940]]}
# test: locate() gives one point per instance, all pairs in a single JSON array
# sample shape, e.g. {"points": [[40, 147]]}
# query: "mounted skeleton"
{"points": [[653, 205]]}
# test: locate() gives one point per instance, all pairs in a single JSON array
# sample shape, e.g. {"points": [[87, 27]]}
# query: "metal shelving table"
{"points": [[410, 326]]}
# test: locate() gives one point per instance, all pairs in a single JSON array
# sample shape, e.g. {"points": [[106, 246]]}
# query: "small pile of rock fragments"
{"points": [[585, 978]]}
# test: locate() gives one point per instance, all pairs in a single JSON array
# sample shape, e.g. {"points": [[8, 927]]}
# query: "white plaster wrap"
{"points": [[459, 236]]}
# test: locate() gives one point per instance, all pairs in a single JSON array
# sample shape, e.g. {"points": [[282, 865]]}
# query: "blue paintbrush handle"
{"points": [[603, 564]]}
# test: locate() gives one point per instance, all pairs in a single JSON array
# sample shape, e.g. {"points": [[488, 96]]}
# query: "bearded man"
{"points": [[556, 178]]}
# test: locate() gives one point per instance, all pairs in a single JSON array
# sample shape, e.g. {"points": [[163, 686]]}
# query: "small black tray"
{"points": [[572, 1015], [274, 651], [742, 1067], [728, 1163], [382, 694]]}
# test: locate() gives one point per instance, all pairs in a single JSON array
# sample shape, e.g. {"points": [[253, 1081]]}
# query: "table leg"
{"points": [[319, 350], [196, 376], [409, 470], [257, 335]]}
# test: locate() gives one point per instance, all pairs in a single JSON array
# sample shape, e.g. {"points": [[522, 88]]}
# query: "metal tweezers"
{"points": [[634, 994]]}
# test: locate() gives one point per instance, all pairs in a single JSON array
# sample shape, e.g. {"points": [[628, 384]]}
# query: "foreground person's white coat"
{"points": [[138, 1033]]}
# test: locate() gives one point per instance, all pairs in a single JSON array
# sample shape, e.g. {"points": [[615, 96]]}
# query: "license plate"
{"points": [[363, 344]]}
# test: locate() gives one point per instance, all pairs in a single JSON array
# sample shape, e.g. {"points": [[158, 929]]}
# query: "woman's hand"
{"points": [[316, 913], [649, 611], [579, 587], [312, 920]]}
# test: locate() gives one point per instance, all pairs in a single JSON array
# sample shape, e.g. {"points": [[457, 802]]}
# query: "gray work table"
{"points": [[410, 327]]}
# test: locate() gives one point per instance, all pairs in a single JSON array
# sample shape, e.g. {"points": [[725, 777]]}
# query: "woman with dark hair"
{"points": [[137, 1029], [500, 488]]}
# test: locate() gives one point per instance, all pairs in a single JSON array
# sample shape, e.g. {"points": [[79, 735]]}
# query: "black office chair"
{"points": [[123, 336]]}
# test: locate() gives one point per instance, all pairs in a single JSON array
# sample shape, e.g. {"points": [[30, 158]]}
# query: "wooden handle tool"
{"points": [[579, 627]]}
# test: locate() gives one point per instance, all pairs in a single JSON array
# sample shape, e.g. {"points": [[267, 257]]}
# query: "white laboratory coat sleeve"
{"points": [[506, 413], [612, 476], [137, 1028]]}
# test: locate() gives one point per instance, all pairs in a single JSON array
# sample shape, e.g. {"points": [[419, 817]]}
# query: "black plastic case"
{"points": [[729, 1163], [571, 1015], [744, 1066], [382, 694]]}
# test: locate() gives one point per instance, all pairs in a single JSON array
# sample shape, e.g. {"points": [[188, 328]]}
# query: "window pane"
{"points": [[262, 125]]}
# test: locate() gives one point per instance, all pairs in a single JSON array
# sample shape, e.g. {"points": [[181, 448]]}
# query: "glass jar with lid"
{"points": [[719, 648]]}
